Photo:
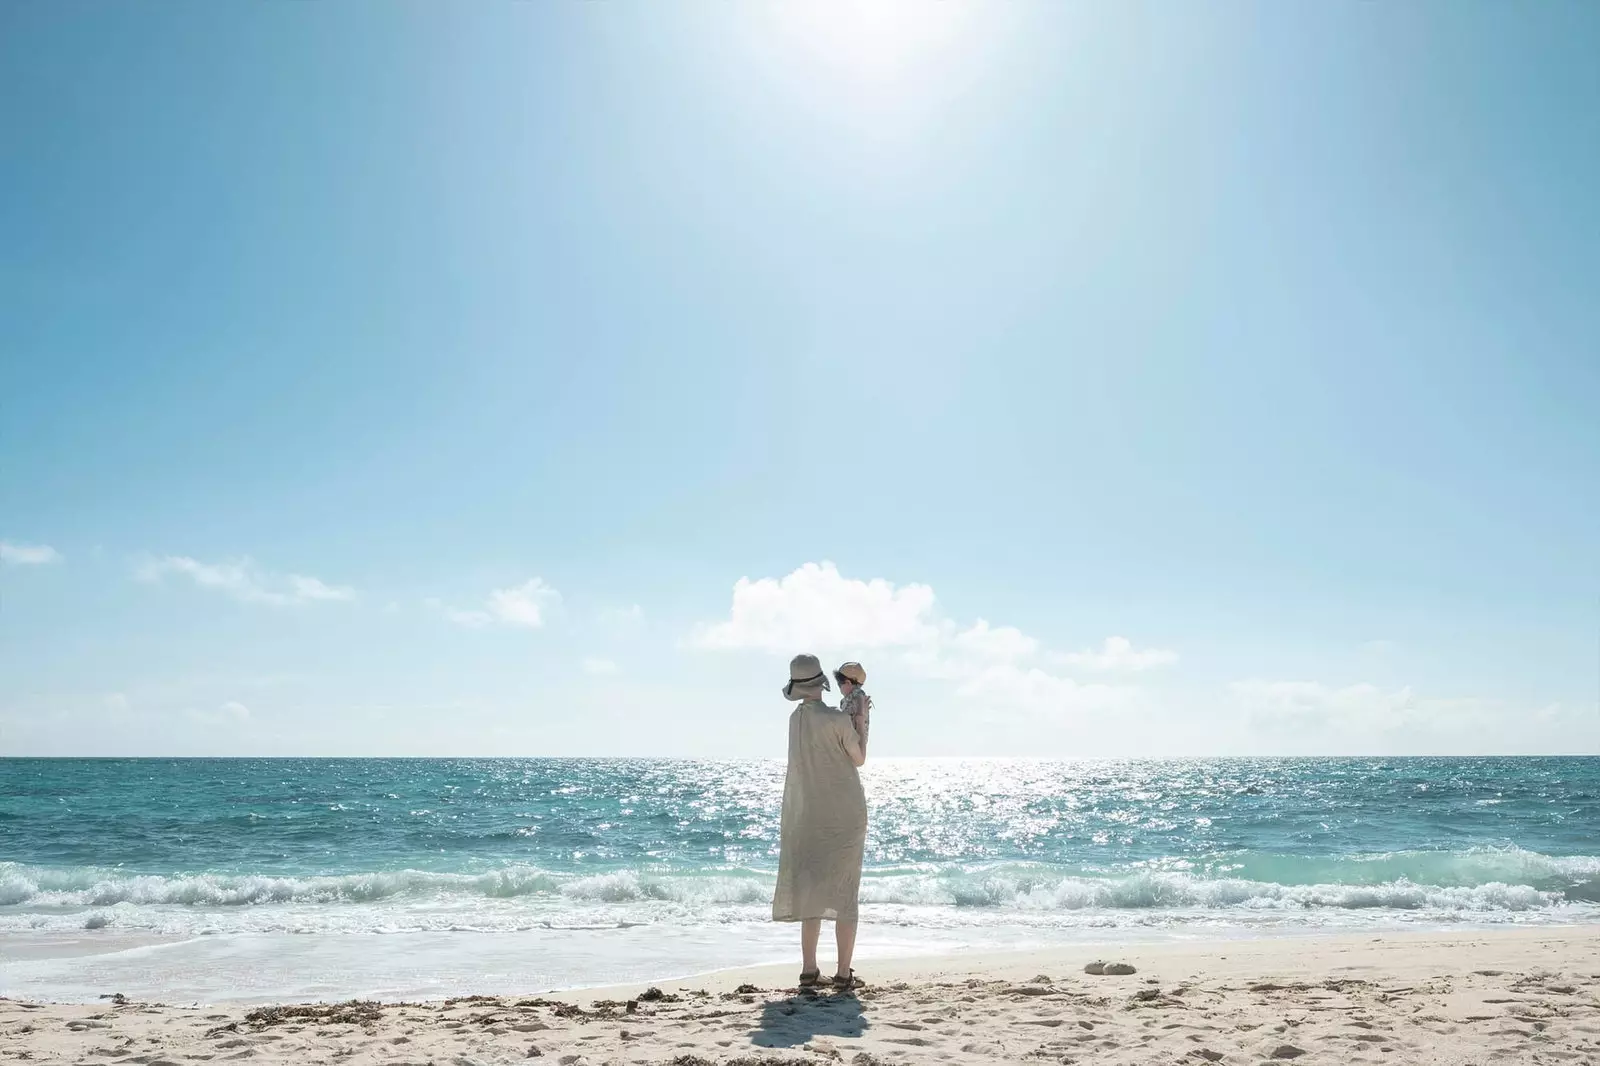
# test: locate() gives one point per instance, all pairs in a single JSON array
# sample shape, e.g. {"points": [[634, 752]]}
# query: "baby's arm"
{"points": [[861, 716]]}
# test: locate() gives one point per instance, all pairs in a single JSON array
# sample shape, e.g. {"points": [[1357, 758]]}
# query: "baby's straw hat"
{"points": [[851, 672]]}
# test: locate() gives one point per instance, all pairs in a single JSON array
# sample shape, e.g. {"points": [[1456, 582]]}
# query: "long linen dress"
{"points": [[824, 825]]}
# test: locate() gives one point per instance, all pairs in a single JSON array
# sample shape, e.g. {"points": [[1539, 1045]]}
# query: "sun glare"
{"points": [[871, 39]]}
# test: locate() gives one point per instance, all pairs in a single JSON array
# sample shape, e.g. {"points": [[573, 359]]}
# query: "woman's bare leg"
{"points": [[845, 934], [810, 932]]}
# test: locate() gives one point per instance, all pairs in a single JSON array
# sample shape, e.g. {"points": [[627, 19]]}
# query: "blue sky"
{"points": [[1110, 379]]}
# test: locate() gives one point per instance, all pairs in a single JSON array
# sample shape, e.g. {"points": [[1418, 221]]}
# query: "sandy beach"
{"points": [[1528, 996]]}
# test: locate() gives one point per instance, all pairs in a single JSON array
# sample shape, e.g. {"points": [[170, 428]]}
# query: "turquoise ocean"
{"points": [[245, 879]]}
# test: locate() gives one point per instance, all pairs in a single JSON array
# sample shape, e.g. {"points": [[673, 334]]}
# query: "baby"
{"points": [[854, 700]]}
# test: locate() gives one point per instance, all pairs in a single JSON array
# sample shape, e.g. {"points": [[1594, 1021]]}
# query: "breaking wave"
{"points": [[1472, 881]]}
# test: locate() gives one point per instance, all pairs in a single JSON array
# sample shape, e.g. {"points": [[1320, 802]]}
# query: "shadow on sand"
{"points": [[796, 1019]]}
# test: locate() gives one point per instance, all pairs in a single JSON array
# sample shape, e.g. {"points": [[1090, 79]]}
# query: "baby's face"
{"points": [[846, 686]]}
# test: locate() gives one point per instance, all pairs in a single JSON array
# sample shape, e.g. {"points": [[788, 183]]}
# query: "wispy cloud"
{"points": [[1118, 653], [527, 605], [1008, 690], [523, 605], [1301, 704], [230, 713], [622, 620], [1361, 715], [245, 581], [27, 554], [1004, 643], [595, 665], [470, 619], [310, 588]]}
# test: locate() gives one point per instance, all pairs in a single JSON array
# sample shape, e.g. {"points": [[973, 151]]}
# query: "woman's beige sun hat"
{"points": [[807, 681]]}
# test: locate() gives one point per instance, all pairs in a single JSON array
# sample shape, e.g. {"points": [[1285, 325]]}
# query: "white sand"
{"points": [[1519, 996]]}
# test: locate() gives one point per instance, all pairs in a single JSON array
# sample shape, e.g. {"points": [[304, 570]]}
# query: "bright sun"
{"points": [[872, 39]]}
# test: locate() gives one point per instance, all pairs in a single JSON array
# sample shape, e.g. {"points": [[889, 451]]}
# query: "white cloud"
{"points": [[817, 607], [235, 710], [1118, 653], [594, 665], [117, 702], [245, 581], [27, 554], [526, 605]]}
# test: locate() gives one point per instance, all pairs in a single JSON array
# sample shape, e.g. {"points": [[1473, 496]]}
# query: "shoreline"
{"points": [[1449, 998], [1229, 956], [431, 966]]}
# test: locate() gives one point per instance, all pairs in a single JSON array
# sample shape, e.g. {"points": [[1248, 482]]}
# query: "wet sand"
{"points": [[1523, 996]]}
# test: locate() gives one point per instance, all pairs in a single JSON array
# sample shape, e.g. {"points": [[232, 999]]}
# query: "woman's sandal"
{"points": [[810, 978], [843, 983]]}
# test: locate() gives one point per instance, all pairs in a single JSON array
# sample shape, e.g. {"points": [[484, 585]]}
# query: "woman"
{"points": [[824, 827]]}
